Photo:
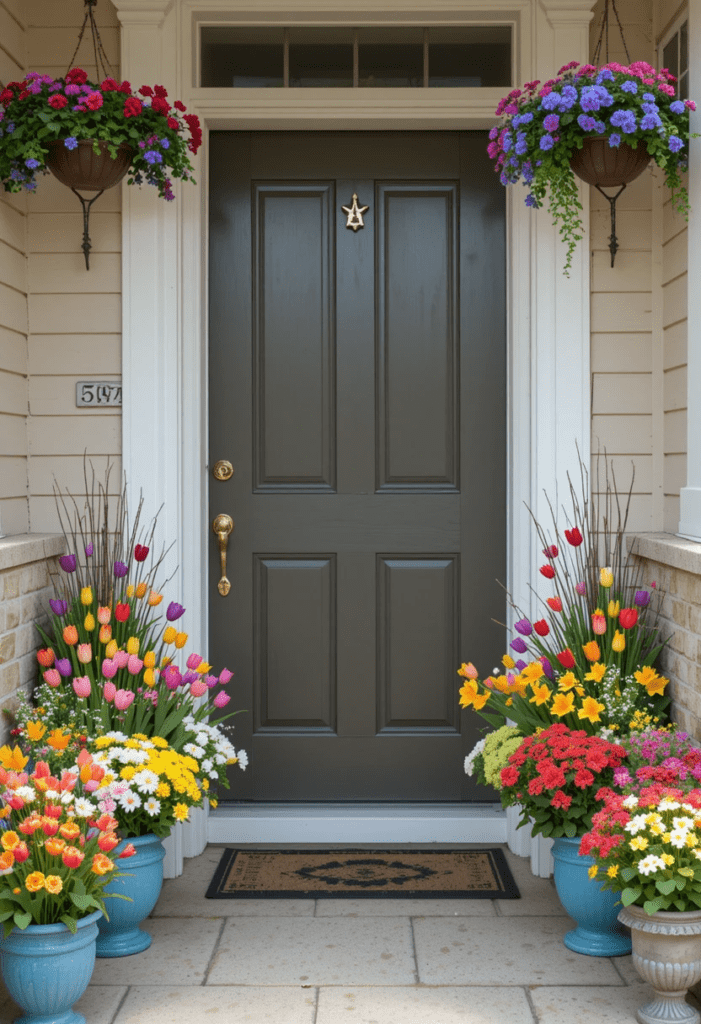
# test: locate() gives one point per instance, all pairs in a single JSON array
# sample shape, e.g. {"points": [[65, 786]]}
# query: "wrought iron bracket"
{"points": [[86, 204], [613, 241]]}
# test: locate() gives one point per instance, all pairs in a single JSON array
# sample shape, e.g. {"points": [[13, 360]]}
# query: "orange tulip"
{"points": [[70, 635], [101, 864]]}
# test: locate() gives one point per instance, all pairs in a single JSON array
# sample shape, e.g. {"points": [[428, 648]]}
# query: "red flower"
{"points": [[547, 571], [160, 105], [132, 107], [628, 617], [555, 603], [125, 87], [140, 552], [122, 612], [566, 658], [57, 101], [172, 123], [7, 95], [541, 627], [146, 90], [179, 105], [509, 776], [160, 90], [561, 799], [109, 85], [76, 76], [550, 552], [94, 100], [574, 537]]}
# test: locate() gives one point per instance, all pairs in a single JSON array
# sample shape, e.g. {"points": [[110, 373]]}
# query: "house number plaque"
{"points": [[98, 393]]}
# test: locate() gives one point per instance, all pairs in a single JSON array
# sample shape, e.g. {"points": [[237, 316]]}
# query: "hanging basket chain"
{"points": [[101, 61], [604, 32]]}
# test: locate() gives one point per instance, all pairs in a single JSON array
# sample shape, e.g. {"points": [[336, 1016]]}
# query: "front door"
{"points": [[358, 388]]}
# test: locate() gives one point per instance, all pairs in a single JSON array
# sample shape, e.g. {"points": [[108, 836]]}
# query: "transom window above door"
{"points": [[370, 57]]}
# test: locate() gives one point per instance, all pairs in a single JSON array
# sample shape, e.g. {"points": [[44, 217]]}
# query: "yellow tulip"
{"points": [[614, 609], [154, 598], [149, 678], [606, 577], [133, 645], [86, 596], [169, 635], [180, 640], [141, 589], [150, 659], [89, 623], [619, 641], [130, 591], [111, 649]]}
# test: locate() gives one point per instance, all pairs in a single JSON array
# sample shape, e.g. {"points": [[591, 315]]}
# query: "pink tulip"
{"points": [[193, 661], [84, 653], [120, 659], [221, 699], [134, 665], [109, 690], [109, 668], [123, 698], [91, 785], [225, 676], [172, 677], [81, 685], [52, 677], [198, 688], [104, 615]]}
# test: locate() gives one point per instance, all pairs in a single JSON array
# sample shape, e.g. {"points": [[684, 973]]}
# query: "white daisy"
{"points": [[130, 800], [152, 806], [243, 759], [146, 781], [194, 750], [667, 804], [636, 824], [27, 793], [201, 738], [677, 837], [84, 808], [630, 801], [52, 794], [206, 765], [682, 822], [651, 863], [67, 798]]}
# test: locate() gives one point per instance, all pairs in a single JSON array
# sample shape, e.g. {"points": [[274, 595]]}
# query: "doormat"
{"points": [[363, 874]]}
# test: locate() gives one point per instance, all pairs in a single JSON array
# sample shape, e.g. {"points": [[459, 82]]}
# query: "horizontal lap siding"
{"points": [[74, 314], [14, 509]]}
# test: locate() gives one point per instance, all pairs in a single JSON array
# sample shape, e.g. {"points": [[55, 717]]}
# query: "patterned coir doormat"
{"points": [[366, 874]]}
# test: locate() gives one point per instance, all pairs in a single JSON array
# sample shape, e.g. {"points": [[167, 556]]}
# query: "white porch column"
{"points": [[157, 432], [557, 375], [690, 505]]}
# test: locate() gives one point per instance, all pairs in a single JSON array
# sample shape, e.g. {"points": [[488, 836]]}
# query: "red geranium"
{"points": [[57, 101], [94, 101], [160, 105], [109, 85], [132, 107], [76, 76]]}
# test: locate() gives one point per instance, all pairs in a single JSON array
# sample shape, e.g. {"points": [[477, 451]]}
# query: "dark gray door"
{"points": [[357, 385]]}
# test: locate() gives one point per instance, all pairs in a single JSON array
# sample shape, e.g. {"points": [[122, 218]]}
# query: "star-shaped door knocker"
{"points": [[355, 214]]}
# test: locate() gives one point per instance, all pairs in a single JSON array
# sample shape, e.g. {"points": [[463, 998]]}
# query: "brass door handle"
{"points": [[222, 526]]}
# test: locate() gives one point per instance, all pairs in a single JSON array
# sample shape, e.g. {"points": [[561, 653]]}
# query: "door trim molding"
{"points": [[164, 415]]}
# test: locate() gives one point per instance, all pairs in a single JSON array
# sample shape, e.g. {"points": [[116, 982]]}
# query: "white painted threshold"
{"points": [[357, 823]]}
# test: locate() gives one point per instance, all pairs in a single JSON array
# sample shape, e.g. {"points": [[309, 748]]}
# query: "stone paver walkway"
{"points": [[357, 962]]}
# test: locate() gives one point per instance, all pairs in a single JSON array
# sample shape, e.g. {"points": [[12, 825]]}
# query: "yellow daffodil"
{"points": [[619, 641], [58, 740], [563, 704], [12, 759], [591, 709], [596, 673], [657, 686], [35, 731], [541, 694], [533, 672], [567, 681]]}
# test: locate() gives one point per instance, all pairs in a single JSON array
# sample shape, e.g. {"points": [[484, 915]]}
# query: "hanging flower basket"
{"points": [[85, 169], [599, 163], [603, 124]]}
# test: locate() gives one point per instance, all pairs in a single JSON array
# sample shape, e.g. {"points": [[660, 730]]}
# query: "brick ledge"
{"points": [[668, 549], [24, 548]]}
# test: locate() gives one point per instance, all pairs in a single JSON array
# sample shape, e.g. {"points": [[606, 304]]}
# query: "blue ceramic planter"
{"points": [[141, 881], [598, 931], [46, 969]]}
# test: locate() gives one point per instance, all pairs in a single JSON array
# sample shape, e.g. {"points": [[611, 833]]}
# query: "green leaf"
{"points": [[70, 923], [22, 919], [686, 872], [81, 902], [630, 895], [628, 873], [570, 829], [665, 886]]}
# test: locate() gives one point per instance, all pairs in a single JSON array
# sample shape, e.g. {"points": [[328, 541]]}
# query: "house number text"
{"points": [[98, 392]]}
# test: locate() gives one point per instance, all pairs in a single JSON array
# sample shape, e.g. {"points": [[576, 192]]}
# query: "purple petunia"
{"points": [[675, 143], [71, 142], [67, 563], [586, 122], [120, 569], [625, 120], [174, 611], [531, 201], [58, 607], [650, 121]]}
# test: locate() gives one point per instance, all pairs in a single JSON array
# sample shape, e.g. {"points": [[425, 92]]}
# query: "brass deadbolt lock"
{"points": [[222, 470]]}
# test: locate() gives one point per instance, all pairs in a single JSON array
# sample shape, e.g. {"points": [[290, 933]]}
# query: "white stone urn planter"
{"points": [[667, 954]]}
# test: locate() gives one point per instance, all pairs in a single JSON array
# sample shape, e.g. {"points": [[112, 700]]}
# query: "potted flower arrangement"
{"points": [[555, 778], [57, 857], [605, 123], [645, 848]]}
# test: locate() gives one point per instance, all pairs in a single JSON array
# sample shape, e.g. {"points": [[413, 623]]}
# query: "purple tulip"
{"points": [[523, 627], [211, 681], [520, 664], [58, 607], [88, 550], [642, 598], [174, 611], [519, 645], [64, 666], [67, 563], [120, 569], [547, 667], [189, 678]]}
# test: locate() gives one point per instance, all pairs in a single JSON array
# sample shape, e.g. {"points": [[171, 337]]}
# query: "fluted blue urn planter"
{"points": [[46, 969], [141, 880], [598, 931]]}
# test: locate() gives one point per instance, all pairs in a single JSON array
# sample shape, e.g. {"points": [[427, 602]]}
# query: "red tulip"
{"points": [[555, 603], [140, 552], [547, 571], [46, 657], [541, 627], [628, 617], [551, 551], [574, 537], [566, 658], [122, 612]]}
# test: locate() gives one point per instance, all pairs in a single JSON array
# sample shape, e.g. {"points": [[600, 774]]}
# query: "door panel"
{"points": [[357, 384]]}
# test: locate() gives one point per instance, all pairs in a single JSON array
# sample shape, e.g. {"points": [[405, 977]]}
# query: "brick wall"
{"points": [[24, 596], [675, 565]]}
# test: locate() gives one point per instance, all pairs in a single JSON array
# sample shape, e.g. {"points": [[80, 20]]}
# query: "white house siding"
{"points": [[74, 314], [14, 512]]}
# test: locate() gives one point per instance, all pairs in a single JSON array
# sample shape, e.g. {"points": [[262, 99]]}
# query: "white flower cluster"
{"points": [[472, 756], [212, 749]]}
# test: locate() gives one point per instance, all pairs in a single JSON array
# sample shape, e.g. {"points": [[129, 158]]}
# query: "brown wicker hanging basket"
{"points": [[597, 163], [84, 169]]}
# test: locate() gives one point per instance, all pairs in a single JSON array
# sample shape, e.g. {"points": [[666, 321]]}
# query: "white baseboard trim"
{"points": [[357, 823]]}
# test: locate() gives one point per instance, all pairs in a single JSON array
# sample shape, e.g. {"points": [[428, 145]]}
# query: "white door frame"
{"points": [[164, 264]]}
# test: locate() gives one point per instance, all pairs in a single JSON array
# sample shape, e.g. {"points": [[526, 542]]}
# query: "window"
{"points": [[340, 57], [674, 55]]}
